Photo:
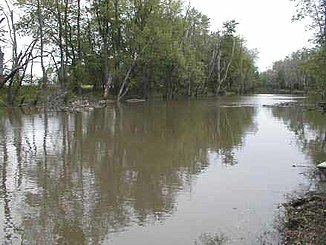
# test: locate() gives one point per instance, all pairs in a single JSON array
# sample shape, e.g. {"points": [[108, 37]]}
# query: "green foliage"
{"points": [[137, 46], [315, 11], [302, 70]]}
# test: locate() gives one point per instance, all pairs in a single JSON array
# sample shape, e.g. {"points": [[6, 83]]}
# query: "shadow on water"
{"points": [[75, 178]]}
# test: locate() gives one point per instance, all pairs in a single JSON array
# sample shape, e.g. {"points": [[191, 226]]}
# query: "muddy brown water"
{"points": [[154, 172]]}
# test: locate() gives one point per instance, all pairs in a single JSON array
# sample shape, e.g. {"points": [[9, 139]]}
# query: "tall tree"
{"points": [[20, 58], [103, 18], [126, 47], [315, 10], [40, 21]]}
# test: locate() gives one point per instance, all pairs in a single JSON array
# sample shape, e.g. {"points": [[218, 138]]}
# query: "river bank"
{"points": [[304, 219]]}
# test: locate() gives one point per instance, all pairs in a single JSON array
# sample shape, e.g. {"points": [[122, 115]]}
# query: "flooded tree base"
{"points": [[304, 220]]}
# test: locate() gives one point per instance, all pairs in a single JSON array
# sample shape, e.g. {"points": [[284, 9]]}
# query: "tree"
{"points": [[35, 12], [20, 58], [315, 10], [301, 70], [134, 47], [1, 63], [223, 51]]}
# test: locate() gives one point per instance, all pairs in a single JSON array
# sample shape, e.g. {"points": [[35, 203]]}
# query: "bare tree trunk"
{"points": [[324, 36], [41, 36], [78, 31], [124, 86], [242, 80], [10, 92], [105, 35], [219, 82], [215, 56], [107, 78], [66, 41], [1, 68], [31, 71], [19, 61], [62, 73], [227, 68], [1, 62]]}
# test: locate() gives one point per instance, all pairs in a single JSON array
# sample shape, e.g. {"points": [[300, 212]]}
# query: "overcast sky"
{"points": [[265, 24]]}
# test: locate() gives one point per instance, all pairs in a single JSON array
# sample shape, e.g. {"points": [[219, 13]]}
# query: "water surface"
{"points": [[154, 173]]}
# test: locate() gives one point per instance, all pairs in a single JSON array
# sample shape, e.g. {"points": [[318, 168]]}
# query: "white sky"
{"points": [[265, 24]]}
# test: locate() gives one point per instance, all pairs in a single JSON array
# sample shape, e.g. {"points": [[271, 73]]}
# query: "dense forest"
{"points": [[122, 47], [141, 48], [304, 69]]}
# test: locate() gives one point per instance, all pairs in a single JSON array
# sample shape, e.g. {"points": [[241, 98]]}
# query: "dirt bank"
{"points": [[304, 219]]}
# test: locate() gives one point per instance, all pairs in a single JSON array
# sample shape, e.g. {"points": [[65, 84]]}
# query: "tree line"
{"points": [[304, 69], [122, 47]]}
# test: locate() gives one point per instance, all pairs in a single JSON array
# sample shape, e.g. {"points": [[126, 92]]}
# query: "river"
{"points": [[177, 172]]}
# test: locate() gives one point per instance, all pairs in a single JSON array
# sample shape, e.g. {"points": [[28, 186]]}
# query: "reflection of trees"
{"points": [[84, 175], [309, 128], [228, 126], [7, 191], [8, 224]]}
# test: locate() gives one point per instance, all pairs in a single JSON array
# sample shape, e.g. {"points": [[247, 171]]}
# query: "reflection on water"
{"points": [[309, 127], [310, 131], [173, 170]]}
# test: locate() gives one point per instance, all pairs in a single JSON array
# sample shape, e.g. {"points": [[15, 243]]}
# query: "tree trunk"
{"points": [[124, 86], [242, 80], [145, 84], [40, 23], [11, 93], [78, 32], [107, 79], [107, 86], [2, 79], [1, 62], [221, 79], [62, 73], [218, 73], [66, 41], [324, 43]]}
